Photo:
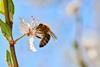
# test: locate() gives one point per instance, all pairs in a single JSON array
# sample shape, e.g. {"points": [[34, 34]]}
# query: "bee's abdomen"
{"points": [[44, 40]]}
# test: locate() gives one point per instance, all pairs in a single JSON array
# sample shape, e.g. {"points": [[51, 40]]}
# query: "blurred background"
{"points": [[76, 24]]}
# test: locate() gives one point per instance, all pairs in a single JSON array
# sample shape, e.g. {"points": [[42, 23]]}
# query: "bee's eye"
{"points": [[40, 24]]}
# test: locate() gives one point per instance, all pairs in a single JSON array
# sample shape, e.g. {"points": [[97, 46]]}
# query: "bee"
{"points": [[45, 32], [37, 29]]}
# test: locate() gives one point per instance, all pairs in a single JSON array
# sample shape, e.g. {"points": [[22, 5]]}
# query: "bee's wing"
{"points": [[24, 27], [44, 40], [34, 23], [52, 34]]}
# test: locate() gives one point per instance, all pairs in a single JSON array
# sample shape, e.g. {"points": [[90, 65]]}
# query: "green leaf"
{"points": [[6, 31], [1, 7], [10, 7], [8, 58]]}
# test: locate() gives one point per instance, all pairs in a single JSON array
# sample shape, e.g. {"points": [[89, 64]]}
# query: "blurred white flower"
{"points": [[72, 7], [28, 29], [92, 53], [89, 44], [89, 40]]}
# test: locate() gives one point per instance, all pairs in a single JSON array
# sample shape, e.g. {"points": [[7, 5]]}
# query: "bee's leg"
{"points": [[38, 37]]}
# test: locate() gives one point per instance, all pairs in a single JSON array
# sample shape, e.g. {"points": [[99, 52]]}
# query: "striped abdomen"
{"points": [[44, 40]]}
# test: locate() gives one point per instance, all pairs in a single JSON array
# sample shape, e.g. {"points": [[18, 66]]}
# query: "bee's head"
{"points": [[40, 24]]}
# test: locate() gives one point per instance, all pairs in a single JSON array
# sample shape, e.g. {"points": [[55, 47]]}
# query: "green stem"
{"points": [[20, 38], [9, 22], [13, 54]]}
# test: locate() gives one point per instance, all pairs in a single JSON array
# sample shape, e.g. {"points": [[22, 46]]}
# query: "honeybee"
{"points": [[37, 29], [45, 33]]}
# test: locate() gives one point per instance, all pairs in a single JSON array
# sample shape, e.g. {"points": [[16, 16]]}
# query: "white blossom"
{"points": [[92, 53], [24, 27], [28, 29], [31, 45]]}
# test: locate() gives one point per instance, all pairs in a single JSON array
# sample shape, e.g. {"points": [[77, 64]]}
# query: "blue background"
{"points": [[58, 53]]}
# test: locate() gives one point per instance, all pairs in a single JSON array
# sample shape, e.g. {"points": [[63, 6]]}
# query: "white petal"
{"points": [[35, 22], [32, 48], [24, 27], [31, 45]]}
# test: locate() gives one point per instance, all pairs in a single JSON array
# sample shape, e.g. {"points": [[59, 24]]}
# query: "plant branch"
{"points": [[20, 38], [12, 49], [11, 42]]}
